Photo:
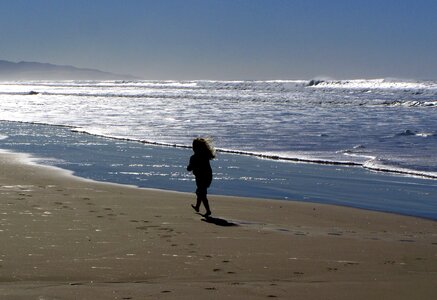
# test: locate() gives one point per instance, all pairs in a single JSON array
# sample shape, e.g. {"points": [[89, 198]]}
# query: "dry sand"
{"points": [[67, 238]]}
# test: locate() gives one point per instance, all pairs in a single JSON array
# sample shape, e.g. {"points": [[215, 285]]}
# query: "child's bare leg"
{"points": [[197, 206], [201, 198], [206, 204], [198, 202]]}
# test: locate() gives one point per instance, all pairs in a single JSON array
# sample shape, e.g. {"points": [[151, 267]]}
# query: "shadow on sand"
{"points": [[218, 221]]}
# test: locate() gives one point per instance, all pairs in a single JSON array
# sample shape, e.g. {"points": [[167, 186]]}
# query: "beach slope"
{"points": [[64, 237]]}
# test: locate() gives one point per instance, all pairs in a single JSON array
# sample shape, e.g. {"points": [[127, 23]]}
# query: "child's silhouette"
{"points": [[199, 164]]}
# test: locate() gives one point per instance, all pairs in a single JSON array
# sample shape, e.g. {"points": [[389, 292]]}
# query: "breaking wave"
{"points": [[374, 84]]}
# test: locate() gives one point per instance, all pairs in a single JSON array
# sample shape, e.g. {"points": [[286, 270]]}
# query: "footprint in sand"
{"points": [[300, 233], [165, 236], [298, 273], [335, 233], [24, 195]]}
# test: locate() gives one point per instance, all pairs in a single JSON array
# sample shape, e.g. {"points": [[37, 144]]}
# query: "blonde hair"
{"points": [[204, 146]]}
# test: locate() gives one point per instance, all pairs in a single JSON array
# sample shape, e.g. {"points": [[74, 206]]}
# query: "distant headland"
{"points": [[44, 71]]}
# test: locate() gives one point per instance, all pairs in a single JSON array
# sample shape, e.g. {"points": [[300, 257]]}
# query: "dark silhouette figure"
{"points": [[201, 168]]}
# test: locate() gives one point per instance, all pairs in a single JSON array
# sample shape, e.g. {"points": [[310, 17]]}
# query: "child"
{"points": [[199, 164]]}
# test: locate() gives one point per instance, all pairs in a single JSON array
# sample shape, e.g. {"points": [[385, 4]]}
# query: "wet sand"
{"points": [[63, 237]]}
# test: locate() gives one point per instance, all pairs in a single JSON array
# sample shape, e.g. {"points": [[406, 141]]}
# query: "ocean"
{"points": [[287, 139]]}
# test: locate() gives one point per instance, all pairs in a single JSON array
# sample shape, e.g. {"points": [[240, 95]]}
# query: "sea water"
{"points": [[385, 125]]}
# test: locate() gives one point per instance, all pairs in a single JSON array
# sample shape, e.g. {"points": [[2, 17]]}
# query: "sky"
{"points": [[227, 39]]}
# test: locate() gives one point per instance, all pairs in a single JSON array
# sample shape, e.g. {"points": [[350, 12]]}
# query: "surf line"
{"points": [[272, 157], [245, 153]]}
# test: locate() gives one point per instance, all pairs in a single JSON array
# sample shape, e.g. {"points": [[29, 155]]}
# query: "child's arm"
{"points": [[190, 165]]}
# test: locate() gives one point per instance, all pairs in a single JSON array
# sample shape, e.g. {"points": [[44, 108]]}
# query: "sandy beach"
{"points": [[63, 237]]}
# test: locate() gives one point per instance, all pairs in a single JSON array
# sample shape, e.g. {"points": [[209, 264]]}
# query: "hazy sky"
{"points": [[227, 39]]}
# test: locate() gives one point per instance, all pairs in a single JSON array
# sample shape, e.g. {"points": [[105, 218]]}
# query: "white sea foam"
{"points": [[380, 166]]}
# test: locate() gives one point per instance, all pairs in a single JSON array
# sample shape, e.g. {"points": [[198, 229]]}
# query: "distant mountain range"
{"points": [[43, 71]]}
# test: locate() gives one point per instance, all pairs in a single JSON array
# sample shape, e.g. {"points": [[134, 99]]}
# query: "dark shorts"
{"points": [[202, 186], [201, 192]]}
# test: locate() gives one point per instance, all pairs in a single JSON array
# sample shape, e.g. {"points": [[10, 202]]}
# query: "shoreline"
{"points": [[159, 167], [65, 237], [29, 159]]}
